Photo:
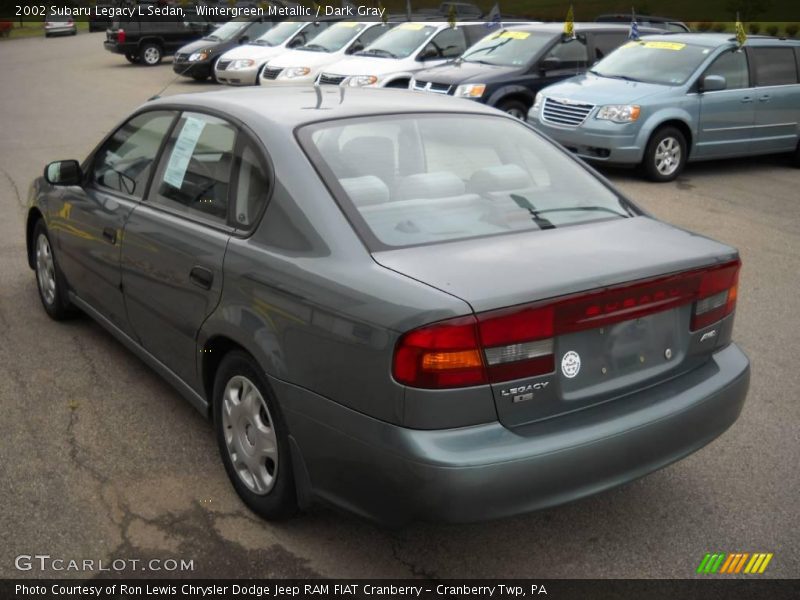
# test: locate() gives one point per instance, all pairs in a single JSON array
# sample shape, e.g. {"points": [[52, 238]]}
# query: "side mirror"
{"points": [[244, 39], [357, 47], [551, 63], [428, 53], [63, 172], [713, 83], [295, 43]]}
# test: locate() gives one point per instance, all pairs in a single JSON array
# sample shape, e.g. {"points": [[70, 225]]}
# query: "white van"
{"points": [[303, 64], [393, 58], [242, 65]]}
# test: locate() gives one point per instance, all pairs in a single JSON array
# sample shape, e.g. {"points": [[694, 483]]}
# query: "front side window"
{"points": [[449, 43], [774, 66], [194, 173], [421, 179], [606, 43], [732, 65], [125, 161], [653, 61], [571, 54]]}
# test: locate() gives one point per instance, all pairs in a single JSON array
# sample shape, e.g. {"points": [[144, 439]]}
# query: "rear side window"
{"points": [[422, 179], [123, 164], [774, 66], [732, 65], [194, 174]]}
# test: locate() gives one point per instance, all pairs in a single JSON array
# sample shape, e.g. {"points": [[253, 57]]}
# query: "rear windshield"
{"points": [[334, 38], [508, 48], [421, 179], [401, 41], [650, 61]]}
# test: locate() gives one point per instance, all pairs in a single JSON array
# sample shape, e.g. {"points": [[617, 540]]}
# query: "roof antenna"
{"points": [[318, 92], [173, 80]]}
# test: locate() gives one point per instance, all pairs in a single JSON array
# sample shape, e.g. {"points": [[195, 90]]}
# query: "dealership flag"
{"points": [[741, 36], [633, 34], [569, 24], [493, 18], [408, 9]]}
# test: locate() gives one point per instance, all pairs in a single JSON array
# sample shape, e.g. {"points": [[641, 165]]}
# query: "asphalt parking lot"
{"points": [[100, 459]]}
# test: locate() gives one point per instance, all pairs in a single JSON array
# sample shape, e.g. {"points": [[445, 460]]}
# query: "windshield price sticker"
{"points": [[348, 24], [412, 26], [657, 45], [514, 35]]}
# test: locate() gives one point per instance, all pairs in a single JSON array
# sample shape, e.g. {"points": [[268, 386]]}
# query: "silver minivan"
{"points": [[661, 102]]}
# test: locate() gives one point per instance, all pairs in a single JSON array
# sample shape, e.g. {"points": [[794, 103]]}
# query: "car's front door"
{"points": [[727, 116], [175, 241], [777, 95], [90, 221]]}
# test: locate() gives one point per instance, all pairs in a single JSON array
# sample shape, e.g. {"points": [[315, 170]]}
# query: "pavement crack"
{"points": [[14, 187], [413, 568]]}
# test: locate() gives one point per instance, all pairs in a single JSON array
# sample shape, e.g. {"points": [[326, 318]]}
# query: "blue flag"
{"points": [[633, 33]]}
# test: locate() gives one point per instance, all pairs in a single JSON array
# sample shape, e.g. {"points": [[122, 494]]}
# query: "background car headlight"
{"points": [[362, 80], [470, 90], [619, 113], [295, 72], [202, 55], [241, 63]]}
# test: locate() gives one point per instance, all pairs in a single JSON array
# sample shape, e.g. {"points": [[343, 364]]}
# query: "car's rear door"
{"points": [[91, 218], [175, 241], [777, 95]]}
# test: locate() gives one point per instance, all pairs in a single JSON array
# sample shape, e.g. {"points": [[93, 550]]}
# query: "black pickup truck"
{"points": [[147, 41]]}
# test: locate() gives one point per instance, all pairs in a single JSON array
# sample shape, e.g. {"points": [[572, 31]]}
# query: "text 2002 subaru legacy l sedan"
{"points": [[412, 307]]}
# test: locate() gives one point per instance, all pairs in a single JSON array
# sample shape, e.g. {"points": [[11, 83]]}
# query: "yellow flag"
{"points": [[569, 24], [451, 16], [741, 36]]}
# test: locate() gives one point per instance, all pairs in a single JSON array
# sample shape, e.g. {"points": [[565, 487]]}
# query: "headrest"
{"points": [[499, 179], [365, 191], [429, 185]]}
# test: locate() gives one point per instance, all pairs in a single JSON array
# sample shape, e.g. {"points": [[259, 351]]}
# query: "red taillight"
{"points": [[517, 342], [121, 35]]}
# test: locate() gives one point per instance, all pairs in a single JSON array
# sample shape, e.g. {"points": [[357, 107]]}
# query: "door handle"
{"points": [[201, 277], [764, 98], [747, 99], [110, 234]]}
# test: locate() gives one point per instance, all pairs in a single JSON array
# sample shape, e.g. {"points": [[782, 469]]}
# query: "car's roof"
{"points": [[558, 27], [715, 40], [292, 106]]}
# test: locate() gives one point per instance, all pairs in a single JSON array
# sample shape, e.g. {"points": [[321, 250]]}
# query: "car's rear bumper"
{"points": [[393, 474], [115, 47]]}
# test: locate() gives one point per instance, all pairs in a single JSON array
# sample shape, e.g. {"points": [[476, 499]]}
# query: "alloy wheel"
{"points": [[668, 156], [45, 269]]}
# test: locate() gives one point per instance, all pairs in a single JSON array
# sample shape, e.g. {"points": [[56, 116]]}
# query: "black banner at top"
{"points": [[699, 15]]}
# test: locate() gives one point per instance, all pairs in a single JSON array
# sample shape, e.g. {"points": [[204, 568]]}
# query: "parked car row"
{"points": [[658, 102]]}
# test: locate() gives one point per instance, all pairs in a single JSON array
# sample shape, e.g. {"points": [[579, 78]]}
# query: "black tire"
{"points": [[665, 155], [515, 108], [200, 78], [150, 54], [278, 499], [55, 300], [132, 58], [796, 157]]}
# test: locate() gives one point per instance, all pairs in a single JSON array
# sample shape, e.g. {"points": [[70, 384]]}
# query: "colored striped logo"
{"points": [[739, 562]]}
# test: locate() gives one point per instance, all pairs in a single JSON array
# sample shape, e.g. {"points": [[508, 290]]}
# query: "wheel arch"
{"points": [[511, 92], [34, 215], [678, 123]]}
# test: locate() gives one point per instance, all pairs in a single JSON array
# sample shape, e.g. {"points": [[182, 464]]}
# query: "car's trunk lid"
{"points": [[591, 365]]}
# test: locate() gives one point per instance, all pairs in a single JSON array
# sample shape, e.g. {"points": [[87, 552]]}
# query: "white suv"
{"points": [[304, 63], [393, 58], [241, 65]]}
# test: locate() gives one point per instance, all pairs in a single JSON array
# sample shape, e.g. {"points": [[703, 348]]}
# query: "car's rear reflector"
{"points": [[517, 342]]}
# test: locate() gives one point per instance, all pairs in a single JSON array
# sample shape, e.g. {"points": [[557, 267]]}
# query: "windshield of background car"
{"points": [[508, 48], [280, 33], [334, 38], [667, 63], [227, 31], [400, 42], [421, 179]]}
